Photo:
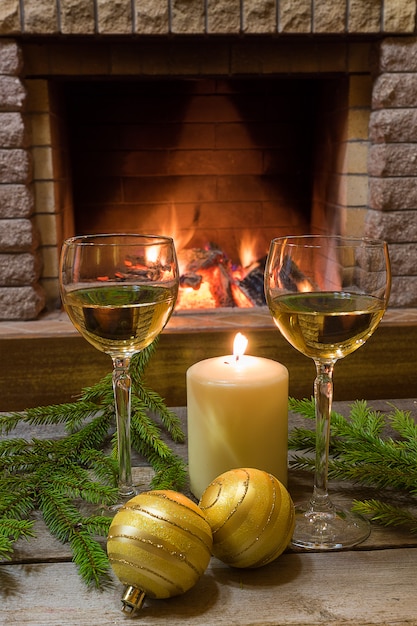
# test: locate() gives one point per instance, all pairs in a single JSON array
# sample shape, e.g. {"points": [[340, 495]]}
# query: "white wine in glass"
{"points": [[119, 291], [327, 295]]}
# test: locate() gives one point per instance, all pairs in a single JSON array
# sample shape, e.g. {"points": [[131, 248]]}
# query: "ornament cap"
{"points": [[132, 600]]}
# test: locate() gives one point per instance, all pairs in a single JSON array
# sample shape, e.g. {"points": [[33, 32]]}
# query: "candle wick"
{"points": [[237, 357]]}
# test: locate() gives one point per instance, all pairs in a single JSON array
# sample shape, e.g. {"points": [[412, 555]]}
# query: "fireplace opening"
{"points": [[222, 165]]}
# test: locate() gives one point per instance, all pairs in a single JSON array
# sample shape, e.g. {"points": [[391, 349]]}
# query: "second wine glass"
{"points": [[327, 296], [119, 291]]}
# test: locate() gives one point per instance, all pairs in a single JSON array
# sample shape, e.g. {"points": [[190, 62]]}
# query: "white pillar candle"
{"points": [[237, 409]]}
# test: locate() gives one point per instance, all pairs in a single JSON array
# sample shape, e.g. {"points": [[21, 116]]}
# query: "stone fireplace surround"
{"points": [[373, 181]]}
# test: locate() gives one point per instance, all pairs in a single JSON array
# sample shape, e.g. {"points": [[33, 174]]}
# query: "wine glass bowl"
{"points": [[119, 291], [327, 295]]}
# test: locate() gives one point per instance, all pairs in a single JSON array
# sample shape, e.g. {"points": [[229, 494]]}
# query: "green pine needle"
{"points": [[10, 531], [59, 477], [89, 556], [369, 448], [168, 418], [386, 514]]}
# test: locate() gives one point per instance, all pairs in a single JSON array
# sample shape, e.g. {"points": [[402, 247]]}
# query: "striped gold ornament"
{"points": [[251, 515], [160, 543]]}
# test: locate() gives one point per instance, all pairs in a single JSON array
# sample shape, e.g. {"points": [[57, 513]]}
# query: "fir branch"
{"points": [[151, 399], [73, 482], [142, 358], [89, 557], [305, 407], [304, 463], [17, 501], [66, 524], [97, 525], [145, 432], [302, 439], [10, 531], [386, 514], [60, 515], [90, 436], [169, 419], [6, 547], [170, 473], [170, 470], [367, 448], [403, 423], [74, 412], [103, 467], [57, 476], [10, 447], [99, 394]]}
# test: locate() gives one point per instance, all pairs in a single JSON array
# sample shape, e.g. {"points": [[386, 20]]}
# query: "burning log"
{"points": [[241, 299], [220, 286], [209, 270], [197, 259], [191, 280], [253, 284], [207, 267]]}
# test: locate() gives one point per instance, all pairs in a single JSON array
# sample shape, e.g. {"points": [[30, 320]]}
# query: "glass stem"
{"points": [[122, 396], [323, 395]]}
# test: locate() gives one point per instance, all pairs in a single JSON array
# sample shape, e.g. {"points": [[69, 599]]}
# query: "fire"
{"points": [[247, 249], [152, 254], [189, 298], [239, 345], [208, 277], [305, 285]]}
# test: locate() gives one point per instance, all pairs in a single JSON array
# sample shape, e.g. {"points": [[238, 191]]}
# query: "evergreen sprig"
{"points": [[369, 448], [60, 476]]}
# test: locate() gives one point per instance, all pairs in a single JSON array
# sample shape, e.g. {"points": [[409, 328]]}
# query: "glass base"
{"points": [[328, 530], [124, 496]]}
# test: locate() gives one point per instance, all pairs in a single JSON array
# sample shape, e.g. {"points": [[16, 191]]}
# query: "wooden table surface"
{"points": [[373, 584]]}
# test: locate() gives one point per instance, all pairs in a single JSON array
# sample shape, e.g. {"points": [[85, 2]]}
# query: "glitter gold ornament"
{"points": [[159, 544], [251, 515]]}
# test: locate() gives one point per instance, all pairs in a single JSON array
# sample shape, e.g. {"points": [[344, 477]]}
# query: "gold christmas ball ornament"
{"points": [[251, 515], [159, 544]]}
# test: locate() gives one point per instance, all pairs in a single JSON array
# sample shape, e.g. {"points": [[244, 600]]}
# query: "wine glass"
{"points": [[327, 295], [119, 291]]}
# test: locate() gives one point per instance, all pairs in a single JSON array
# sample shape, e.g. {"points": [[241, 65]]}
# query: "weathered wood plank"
{"points": [[45, 548], [36, 371], [374, 584], [359, 588]]}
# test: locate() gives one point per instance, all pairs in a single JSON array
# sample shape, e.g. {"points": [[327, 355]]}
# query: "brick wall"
{"points": [[393, 162], [207, 160], [162, 17], [35, 188], [20, 263]]}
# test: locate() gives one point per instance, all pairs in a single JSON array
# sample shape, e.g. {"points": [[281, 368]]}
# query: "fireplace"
{"points": [[222, 165], [345, 165]]}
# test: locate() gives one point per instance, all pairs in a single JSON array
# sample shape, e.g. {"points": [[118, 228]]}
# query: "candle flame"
{"points": [[239, 345]]}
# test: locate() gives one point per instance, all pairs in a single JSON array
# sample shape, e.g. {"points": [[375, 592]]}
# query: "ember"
{"points": [[210, 280]]}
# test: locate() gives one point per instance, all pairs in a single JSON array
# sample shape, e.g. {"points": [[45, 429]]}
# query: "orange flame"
{"points": [[216, 283], [305, 286], [248, 249], [240, 344]]}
